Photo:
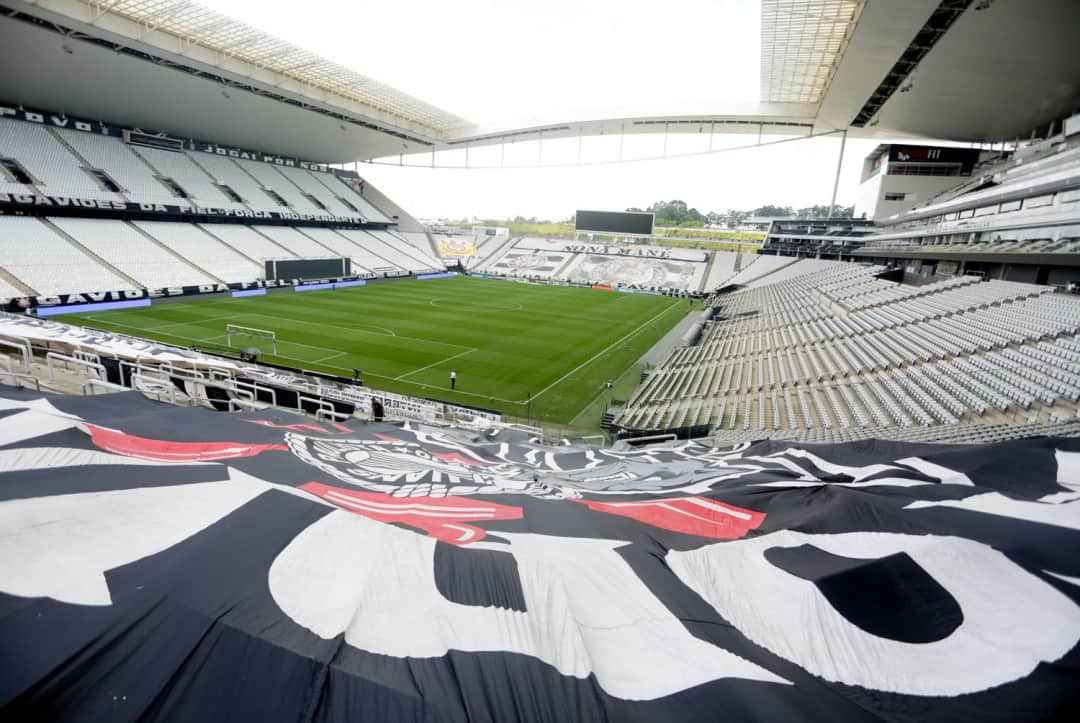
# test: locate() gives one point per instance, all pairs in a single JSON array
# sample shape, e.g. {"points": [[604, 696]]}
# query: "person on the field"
{"points": [[453, 379]]}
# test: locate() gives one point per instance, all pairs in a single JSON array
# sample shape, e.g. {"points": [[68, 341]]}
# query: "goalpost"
{"points": [[251, 334]]}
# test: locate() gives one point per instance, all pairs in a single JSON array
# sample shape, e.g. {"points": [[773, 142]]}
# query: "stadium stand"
{"points": [[486, 248], [226, 172], [75, 164], [316, 192], [295, 241], [52, 168], [401, 254], [421, 243], [634, 272], [137, 180], [272, 181], [247, 241], [37, 254], [1016, 218], [203, 250], [182, 170], [777, 358], [721, 270], [134, 252], [529, 263], [364, 261]]}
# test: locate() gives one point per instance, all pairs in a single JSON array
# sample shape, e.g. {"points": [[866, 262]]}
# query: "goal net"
{"points": [[245, 336]]}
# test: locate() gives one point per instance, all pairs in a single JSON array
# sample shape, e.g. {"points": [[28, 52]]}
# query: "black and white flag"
{"points": [[173, 564]]}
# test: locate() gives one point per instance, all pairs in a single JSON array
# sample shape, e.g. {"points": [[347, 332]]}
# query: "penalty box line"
{"points": [[599, 354], [434, 363]]}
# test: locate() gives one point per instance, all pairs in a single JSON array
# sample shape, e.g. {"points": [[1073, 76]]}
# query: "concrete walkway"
{"points": [[671, 340]]}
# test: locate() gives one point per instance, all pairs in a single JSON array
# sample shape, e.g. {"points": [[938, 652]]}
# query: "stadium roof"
{"points": [[197, 25], [963, 70], [801, 42]]}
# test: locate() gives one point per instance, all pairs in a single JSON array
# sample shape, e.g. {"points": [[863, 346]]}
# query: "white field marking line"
{"points": [[184, 323], [434, 363], [517, 307], [328, 366], [361, 327], [600, 353], [336, 352], [320, 360], [142, 329], [350, 328]]}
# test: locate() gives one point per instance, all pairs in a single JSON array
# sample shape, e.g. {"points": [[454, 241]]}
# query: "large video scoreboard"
{"points": [[614, 222]]}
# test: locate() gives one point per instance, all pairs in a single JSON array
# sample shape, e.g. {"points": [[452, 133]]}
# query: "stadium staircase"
{"points": [[557, 273], [169, 183], [82, 159], [193, 157], [329, 251], [498, 252], [396, 255], [435, 251], [182, 259], [708, 271], [608, 420], [287, 253], [102, 262], [16, 282], [387, 207]]}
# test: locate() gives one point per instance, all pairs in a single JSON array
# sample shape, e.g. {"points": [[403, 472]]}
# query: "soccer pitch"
{"points": [[506, 341]]}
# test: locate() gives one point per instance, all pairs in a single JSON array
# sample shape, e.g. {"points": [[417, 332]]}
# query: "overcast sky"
{"points": [[490, 60]]}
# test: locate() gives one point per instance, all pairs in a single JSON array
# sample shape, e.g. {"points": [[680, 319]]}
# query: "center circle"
{"points": [[440, 303]]}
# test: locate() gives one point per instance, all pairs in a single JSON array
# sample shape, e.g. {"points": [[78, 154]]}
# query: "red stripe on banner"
{"points": [[444, 518], [303, 427], [461, 459], [163, 450], [603, 287], [698, 516]]}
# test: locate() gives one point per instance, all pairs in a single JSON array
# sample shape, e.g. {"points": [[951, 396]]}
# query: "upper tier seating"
{"points": [[338, 187], [307, 183], [52, 167], [179, 167], [269, 177], [136, 179]]}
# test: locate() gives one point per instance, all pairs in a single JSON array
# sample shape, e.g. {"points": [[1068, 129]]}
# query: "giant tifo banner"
{"points": [[456, 246], [177, 564], [649, 252]]}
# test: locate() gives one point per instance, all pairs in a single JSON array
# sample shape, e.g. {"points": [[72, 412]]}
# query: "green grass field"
{"points": [[505, 340]]}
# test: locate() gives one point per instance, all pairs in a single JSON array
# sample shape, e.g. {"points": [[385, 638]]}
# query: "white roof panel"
{"points": [[801, 42], [199, 25]]}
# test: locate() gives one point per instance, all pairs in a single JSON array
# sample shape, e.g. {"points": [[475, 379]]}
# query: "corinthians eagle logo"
{"points": [[423, 463], [407, 469]]}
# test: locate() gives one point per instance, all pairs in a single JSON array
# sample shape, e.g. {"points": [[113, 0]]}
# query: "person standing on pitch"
{"points": [[453, 379]]}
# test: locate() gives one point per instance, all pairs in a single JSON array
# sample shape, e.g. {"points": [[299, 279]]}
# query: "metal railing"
{"points": [[67, 360]]}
